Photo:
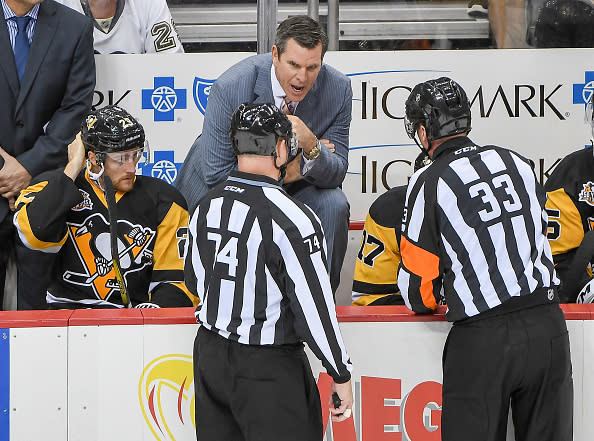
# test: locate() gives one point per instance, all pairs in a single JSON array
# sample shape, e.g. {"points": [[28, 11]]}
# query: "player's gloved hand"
{"points": [[103, 265], [147, 305], [138, 236]]}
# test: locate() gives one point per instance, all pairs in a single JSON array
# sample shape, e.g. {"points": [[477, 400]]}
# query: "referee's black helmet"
{"points": [[111, 129], [441, 106], [255, 129]]}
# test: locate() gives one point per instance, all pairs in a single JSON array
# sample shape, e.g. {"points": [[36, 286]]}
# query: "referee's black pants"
{"points": [[253, 393], [521, 358]]}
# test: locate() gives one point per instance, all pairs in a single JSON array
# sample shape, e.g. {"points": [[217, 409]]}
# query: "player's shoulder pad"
{"points": [[576, 166], [163, 190], [305, 217], [388, 208], [49, 176], [243, 72]]}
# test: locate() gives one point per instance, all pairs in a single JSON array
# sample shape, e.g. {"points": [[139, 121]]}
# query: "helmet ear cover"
{"points": [[441, 106]]}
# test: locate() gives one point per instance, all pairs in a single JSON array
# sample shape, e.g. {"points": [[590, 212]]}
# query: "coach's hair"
{"points": [[304, 30]]}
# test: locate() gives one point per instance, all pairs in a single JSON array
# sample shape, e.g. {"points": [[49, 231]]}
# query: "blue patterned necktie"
{"points": [[21, 45]]}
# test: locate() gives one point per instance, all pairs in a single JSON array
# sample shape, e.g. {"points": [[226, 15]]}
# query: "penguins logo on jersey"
{"points": [[587, 194], [86, 204], [93, 246]]}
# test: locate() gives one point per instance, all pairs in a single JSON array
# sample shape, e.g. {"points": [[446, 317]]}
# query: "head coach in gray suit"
{"points": [[47, 77], [317, 99]]}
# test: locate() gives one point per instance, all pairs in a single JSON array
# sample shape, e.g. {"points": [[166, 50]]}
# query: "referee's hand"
{"points": [[345, 393]]}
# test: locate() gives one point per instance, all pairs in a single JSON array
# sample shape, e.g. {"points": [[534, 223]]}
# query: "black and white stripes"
{"points": [[257, 260], [480, 212]]}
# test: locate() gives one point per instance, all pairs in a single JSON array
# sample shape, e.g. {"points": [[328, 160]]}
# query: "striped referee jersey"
{"points": [[256, 258], [474, 231]]}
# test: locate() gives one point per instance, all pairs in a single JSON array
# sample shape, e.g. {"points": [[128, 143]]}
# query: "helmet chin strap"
{"points": [[282, 169], [419, 145], [95, 176]]}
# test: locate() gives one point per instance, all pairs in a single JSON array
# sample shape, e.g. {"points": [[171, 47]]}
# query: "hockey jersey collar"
{"points": [[252, 179], [452, 144], [99, 191]]}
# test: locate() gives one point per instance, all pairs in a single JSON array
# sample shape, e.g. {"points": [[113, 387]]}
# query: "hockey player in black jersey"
{"points": [[67, 213], [374, 279], [474, 232], [570, 207]]}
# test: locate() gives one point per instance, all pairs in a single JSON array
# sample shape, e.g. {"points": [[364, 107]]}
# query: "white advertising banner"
{"points": [[529, 100]]}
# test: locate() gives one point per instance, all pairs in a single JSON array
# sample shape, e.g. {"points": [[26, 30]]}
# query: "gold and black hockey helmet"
{"points": [[111, 129]]}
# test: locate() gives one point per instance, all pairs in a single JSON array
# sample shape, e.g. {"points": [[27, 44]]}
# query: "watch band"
{"points": [[315, 152]]}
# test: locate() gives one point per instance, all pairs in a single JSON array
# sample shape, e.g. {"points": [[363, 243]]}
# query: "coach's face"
{"points": [[297, 68]]}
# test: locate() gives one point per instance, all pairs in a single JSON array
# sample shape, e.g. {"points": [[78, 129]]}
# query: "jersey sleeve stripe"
{"points": [[25, 232], [424, 264]]}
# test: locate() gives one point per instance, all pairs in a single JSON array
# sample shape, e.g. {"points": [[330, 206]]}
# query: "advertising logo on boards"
{"points": [[582, 93], [387, 101], [164, 167], [383, 97], [382, 411], [201, 92], [166, 396], [108, 97], [164, 99]]}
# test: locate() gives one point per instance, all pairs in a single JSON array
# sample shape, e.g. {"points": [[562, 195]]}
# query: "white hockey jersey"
{"points": [[138, 26]]}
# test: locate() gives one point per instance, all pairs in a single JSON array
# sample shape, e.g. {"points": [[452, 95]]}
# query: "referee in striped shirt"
{"points": [[474, 234], [257, 260]]}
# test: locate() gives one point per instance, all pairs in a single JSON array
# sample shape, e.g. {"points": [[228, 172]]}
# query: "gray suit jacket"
{"points": [[41, 116], [326, 110]]}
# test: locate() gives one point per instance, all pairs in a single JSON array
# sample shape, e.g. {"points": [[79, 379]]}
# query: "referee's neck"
{"points": [[258, 165]]}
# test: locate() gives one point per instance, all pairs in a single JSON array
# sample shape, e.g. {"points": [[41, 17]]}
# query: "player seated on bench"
{"points": [[97, 205], [375, 280]]}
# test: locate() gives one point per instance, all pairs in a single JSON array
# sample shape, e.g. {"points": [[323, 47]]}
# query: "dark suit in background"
{"points": [[326, 110], [40, 116]]}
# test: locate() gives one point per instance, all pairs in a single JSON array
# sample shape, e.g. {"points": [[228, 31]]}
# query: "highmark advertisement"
{"points": [[529, 100]]}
